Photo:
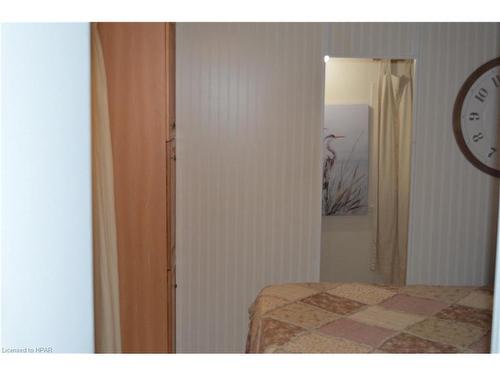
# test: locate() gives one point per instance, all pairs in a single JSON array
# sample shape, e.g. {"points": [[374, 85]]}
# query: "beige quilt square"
{"points": [[478, 299], [447, 331], [444, 294], [264, 304], [303, 315], [378, 316], [315, 343], [367, 294], [290, 292]]}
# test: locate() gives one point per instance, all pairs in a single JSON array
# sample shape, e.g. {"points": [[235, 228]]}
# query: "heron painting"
{"points": [[345, 160]]}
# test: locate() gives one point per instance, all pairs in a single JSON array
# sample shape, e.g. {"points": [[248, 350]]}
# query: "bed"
{"points": [[369, 318]]}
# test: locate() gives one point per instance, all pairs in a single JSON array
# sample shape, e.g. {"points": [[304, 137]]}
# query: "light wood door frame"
{"points": [[171, 166]]}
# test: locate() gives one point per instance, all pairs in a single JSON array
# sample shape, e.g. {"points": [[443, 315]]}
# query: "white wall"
{"points": [[249, 115], [350, 81], [453, 204], [346, 241], [46, 188]]}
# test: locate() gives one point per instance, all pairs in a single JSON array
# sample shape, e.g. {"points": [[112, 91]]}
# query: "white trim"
{"points": [[1, 182], [495, 330]]}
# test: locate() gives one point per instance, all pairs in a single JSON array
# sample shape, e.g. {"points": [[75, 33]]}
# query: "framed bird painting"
{"points": [[345, 160]]}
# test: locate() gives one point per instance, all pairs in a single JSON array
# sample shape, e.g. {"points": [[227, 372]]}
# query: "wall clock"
{"points": [[476, 118]]}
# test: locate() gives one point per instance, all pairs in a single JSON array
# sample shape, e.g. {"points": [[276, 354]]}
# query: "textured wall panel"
{"points": [[454, 205], [249, 115]]}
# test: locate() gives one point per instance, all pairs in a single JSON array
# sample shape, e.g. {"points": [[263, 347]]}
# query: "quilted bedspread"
{"points": [[369, 318]]}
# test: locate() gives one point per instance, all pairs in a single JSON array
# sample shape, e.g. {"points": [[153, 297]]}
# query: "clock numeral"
{"points": [[477, 137], [481, 95], [493, 150], [474, 116], [496, 80]]}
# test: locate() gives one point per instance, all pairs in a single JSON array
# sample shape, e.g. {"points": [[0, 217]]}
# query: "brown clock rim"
{"points": [[457, 111]]}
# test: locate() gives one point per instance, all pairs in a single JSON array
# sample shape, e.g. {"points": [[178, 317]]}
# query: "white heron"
{"points": [[328, 164]]}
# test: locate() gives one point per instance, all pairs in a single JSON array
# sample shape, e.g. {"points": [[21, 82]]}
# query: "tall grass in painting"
{"points": [[344, 190]]}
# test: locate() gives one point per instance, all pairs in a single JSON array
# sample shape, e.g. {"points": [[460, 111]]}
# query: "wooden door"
{"points": [[136, 60]]}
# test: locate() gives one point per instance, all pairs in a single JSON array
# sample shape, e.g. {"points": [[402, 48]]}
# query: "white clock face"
{"points": [[480, 118]]}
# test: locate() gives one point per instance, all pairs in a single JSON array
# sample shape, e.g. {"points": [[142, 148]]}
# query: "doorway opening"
{"points": [[366, 169]]}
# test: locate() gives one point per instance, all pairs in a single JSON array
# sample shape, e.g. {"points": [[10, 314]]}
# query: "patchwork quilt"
{"points": [[369, 318]]}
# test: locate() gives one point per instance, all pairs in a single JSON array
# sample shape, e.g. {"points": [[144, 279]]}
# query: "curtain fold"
{"points": [[106, 287], [392, 170]]}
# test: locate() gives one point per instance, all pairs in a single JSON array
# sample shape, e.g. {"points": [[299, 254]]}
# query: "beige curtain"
{"points": [[391, 171], [106, 292]]}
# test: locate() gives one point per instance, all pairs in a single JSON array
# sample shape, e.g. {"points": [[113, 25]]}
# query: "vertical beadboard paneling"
{"points": [[453, 205], [249, 114]]}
